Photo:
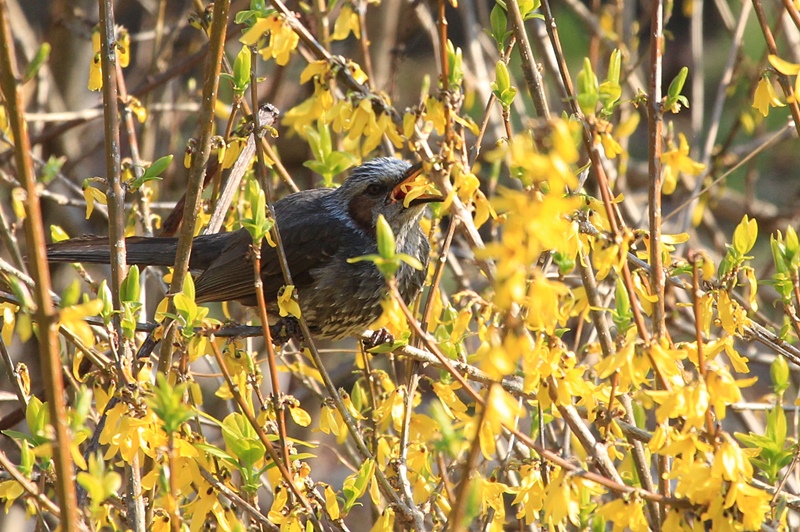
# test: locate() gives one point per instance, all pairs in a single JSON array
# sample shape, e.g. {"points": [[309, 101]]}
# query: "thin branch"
{"points": [[46, 314], [655, 118], [198, 168]]}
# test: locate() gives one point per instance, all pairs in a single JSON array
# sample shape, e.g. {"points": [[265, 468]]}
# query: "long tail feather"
{"points": [[144, 251]]}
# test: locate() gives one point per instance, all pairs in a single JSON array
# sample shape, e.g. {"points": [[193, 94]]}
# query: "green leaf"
{"points": [[499, 24], [167, 403], [778, 253], [129, 291], [587, 88], [40, 58], [37, 417], [776, 427], [241, 70], [157, 167], [779, 371], [104, 295], [676, 87], [614, 66], [71, 294], [455, 62], [411, 261], [356, 485], [386, 243], [151, 173], [674, 96], [57, 234], [744, 237], [188, 287], [242, 440], [259, 225]]}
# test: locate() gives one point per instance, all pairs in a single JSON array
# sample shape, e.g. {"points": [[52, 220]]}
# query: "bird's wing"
{"points": [[310, 237]]}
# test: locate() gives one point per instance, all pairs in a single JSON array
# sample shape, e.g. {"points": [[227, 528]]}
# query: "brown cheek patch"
{"points": [[360, 210]]}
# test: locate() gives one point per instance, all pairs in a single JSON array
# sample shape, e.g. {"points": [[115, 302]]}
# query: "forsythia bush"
{"points": [[599, 346]]}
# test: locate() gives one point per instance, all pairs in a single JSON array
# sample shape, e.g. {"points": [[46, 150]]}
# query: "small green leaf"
{"points": [[386, 243], [356, 485], [129, 291], [41, 57], [241, 439], [104, 295], [151, 173], [587, 88], [455, 62], [71, 294], [674, 96], [168, 404], [676, 87], [57, 234], [158, 166], [499, 25], [614, 66], [779, 371], [241, 71], [744, 237]]}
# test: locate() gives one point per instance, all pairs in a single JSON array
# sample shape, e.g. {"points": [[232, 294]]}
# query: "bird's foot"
{"points": [[379, 337], [286, 329]]}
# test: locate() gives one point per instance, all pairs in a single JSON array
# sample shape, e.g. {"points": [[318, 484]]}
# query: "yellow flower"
{"points": [[287, 305], [315, 69], [610, 145], [543, 302], [305, 114], [283, 39], [730, 461], [73, 318], [765, 97], [491, 496], [122, 51], [449, 400], [788, 69], [346, 22], [561, 501], [626, 515], [731, 314], [434, 113], [7, 318], [95, 69], [123, 47], [530, 497], [677, 160]]}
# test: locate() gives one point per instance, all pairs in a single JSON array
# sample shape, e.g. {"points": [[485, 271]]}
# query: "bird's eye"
{"points": [[375, 189]]}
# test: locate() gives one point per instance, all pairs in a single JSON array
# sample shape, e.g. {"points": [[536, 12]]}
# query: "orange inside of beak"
{"points": [[415, 189]]}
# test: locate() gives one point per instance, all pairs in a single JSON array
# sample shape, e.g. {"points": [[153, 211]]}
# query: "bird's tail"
{"points": [[95, 249]]}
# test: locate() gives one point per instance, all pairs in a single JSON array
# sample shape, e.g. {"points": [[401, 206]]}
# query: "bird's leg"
{"points": [[285, 329], [379, 337]]}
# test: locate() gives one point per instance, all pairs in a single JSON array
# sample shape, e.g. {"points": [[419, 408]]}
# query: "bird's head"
{"points": [[377, 187]]}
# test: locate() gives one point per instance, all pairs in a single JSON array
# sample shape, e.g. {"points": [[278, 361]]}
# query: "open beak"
{"points": [[405, 188]]}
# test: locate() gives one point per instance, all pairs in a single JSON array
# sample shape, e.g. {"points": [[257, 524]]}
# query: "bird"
{"points": [[320, 229]]}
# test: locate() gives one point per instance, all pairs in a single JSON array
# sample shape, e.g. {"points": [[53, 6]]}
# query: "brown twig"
{"points": [[198, 169], [46, 314], [533, 78], [655, 121], [261, 169]]}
